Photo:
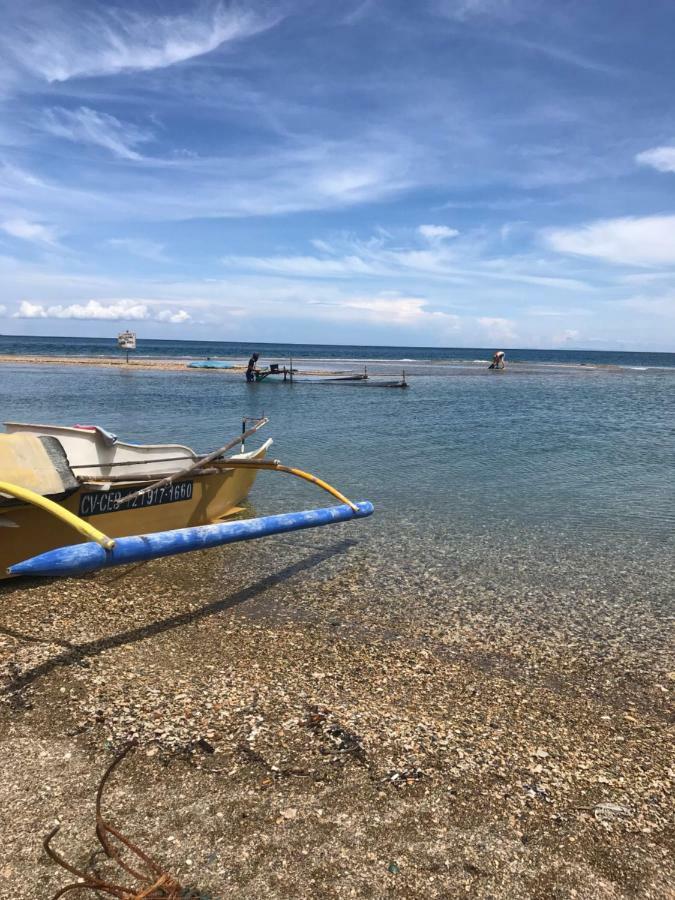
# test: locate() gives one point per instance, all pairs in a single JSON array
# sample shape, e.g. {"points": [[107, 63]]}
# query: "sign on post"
{"points": [[126, 340]]}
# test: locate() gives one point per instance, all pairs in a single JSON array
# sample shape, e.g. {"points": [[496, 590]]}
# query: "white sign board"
{"points": [[126, 340]]}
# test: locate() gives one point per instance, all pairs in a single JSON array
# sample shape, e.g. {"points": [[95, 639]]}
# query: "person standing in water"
{"points": [[252, 367], [498, 360]]}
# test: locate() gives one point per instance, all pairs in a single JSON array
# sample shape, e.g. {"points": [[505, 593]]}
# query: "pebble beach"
{"points": [[291, 743]]}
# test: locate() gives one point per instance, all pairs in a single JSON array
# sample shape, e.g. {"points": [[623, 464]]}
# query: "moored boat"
{"points": [[59, 482]]}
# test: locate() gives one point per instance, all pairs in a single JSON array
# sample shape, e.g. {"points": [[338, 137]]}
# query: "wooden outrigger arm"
{"points": [[84, 528]]}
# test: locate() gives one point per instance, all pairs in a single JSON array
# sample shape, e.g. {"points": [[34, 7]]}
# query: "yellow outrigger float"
{"points": [[129, 502]]}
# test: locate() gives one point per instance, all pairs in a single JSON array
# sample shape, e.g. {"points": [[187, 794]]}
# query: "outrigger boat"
{"points": [[130, 502]]}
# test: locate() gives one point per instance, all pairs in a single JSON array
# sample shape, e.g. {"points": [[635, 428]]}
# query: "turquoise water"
{"points": [[586, 455], [556, 487]]}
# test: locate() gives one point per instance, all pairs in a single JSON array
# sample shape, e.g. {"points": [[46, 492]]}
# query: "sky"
{"points": [[430, 173]]}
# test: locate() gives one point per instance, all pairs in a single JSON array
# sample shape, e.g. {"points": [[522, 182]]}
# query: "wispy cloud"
{"points": [[57, 43], [660, 158], [289, 178], [88, 126], [465, 10], [434, 233], [379, 257], [94, 310], [635, 241], [140, 247], [564, 55], [34, 232]]}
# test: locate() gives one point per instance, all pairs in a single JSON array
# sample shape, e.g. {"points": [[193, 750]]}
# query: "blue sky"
{"points": [[441, 172]]}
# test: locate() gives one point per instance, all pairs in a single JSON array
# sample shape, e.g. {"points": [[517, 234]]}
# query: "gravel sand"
{"points": [[293, 742]]}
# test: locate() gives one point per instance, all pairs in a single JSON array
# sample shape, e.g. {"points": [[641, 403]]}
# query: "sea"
{"points": [[542, 496]]}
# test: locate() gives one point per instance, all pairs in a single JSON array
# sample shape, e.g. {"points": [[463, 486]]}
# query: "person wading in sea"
{"points": [[252, 367], [497, 360]]}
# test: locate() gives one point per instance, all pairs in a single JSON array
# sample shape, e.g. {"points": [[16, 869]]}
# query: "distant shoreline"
{"points": [[308, 365]]}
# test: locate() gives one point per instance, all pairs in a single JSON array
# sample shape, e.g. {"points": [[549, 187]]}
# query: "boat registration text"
{"points": [[98, 502]]}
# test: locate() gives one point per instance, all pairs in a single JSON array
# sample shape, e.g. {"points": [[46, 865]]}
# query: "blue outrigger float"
{"points": [[59, 478], [80, 559]]}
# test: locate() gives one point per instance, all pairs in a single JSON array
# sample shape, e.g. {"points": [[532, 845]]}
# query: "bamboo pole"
{"points": [[195, 466], [59, 512], [276, 466], [121, 479]]}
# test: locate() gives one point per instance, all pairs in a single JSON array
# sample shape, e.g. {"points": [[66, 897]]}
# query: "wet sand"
{"points": [[161, 365], [171, 365], [299, 736]]}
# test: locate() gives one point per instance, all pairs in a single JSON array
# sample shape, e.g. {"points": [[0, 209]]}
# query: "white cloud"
{"points": [[109, 40], [87, 126], [660, 158], [433, 233], [175, 318], [395, 310], [3, 310], [646, 241], [422, 314], [94, 310], [30, 311], [29, 231]]}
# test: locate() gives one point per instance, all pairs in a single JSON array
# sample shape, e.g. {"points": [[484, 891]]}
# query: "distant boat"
{"points": [[129, 502]]}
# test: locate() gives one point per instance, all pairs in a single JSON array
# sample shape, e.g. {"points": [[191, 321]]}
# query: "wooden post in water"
{"points": [[291, 361]]}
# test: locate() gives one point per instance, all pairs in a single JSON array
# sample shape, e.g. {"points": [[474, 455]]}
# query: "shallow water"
{"points": [[557, 483]]}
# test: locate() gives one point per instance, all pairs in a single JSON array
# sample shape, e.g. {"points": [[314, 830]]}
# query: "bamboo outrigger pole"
{"points": [[59, 512], [195, 466], [276, 466]]}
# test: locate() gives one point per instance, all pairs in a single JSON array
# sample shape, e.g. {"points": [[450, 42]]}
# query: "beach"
{"points": [[292, 743], [167, 365], [469, 694]]}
